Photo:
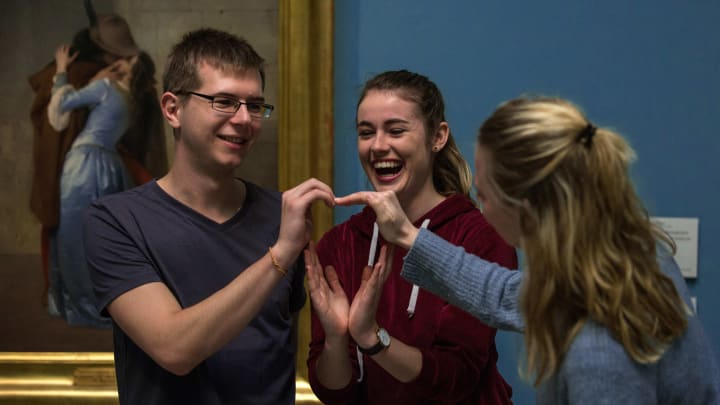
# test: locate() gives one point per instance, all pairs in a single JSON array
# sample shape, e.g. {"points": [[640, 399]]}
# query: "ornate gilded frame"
{"points": [[305, 149], [305, 136]]}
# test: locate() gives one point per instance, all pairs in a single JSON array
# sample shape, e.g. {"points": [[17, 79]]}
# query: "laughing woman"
{"points": [[402, 345]]}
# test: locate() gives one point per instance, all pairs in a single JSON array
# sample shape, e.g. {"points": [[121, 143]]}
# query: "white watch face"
{"points": [[384, 337]]}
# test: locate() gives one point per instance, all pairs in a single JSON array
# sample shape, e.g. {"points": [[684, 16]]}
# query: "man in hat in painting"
{"points": [[104, 42], [112, 34]]}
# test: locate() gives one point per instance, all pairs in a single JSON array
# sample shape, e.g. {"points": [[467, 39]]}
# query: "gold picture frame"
{"points": [[305, 149]]}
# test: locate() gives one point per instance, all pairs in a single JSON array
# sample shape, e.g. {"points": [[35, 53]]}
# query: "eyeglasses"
{"points": [[231, 105]]}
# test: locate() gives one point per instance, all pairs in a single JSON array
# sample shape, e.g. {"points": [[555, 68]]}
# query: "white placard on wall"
{"points": [[685, 233]]}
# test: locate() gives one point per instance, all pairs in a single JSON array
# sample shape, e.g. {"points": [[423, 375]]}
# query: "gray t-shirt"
{"points": [[143, 235]]}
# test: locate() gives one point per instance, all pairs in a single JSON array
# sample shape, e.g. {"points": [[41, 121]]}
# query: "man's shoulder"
{"points": [[262, 192], [130, 199], [262, 202]]}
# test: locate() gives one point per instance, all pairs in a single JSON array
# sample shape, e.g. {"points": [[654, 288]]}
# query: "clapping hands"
{"points": [[330, 303], [338, 316]]}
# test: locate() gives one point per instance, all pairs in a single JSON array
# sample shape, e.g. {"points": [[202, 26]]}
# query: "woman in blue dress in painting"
{"points": [[92, 168]]}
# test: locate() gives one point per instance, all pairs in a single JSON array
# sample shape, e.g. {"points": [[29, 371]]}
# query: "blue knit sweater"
{"points": [[596, 369]]}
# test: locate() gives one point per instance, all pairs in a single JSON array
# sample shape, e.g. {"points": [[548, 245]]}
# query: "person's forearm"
{"points": [[402, 361], [333, 368], [178, 339], [218, 319], [487, 290], [407, 237]]}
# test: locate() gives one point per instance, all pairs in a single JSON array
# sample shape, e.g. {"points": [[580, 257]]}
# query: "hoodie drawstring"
{"points": [[371, 262], [415, 289], [413, 295]]}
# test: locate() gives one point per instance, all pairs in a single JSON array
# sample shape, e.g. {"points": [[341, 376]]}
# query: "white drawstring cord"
{"points": [[360, 363], [371, 262], [413, 294], [415, 289], [373, 245]]}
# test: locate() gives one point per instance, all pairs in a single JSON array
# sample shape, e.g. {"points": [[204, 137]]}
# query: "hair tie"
{"points": [[585, 136]]}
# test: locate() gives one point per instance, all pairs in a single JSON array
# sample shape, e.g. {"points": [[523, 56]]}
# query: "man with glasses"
{"points": [[198, 269], [257, 110]]}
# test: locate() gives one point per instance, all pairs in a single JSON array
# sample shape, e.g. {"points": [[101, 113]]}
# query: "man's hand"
{"points": [[296, 221]]}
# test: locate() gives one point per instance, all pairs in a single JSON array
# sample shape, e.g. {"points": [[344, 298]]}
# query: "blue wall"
{"points": [[650, 69]]}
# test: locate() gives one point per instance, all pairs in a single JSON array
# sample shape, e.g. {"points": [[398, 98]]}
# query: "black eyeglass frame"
{"points": [[266, 109]]}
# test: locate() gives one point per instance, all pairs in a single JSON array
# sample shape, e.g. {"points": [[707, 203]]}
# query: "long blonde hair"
{"points": [[589, 244]]}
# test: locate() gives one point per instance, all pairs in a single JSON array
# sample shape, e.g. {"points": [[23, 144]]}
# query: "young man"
{"points": [[197, 269]]}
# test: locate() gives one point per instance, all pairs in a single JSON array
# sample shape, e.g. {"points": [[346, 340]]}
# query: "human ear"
{"points": [[526, 214], [441, 137], [170, 106], [525, 208]]}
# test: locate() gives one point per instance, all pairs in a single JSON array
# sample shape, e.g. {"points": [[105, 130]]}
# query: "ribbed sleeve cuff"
{"points": [[423, 257]]}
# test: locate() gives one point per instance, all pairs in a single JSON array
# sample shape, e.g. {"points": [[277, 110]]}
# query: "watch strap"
{"points": [[375, 349]]}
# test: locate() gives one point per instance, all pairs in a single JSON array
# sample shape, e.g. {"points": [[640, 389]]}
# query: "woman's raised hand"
{"points": [[327, 295], [362, 323], [63, 59], [394, 225]]}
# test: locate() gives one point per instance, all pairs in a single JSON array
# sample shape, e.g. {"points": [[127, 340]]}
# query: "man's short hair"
{"points": [[221, 50]]}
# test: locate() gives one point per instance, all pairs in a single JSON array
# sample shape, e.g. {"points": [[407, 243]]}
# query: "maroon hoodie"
{"points": [[458, 351]]}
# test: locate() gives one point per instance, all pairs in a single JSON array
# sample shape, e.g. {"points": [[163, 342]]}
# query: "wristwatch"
{"points": [[382, 344]]}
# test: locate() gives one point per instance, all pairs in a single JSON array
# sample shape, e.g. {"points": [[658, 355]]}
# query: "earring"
{"points": [[435, 148]]}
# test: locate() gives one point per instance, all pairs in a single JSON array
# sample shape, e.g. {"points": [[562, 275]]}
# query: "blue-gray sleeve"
{"points": [[87, 96], [486, 290]]}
